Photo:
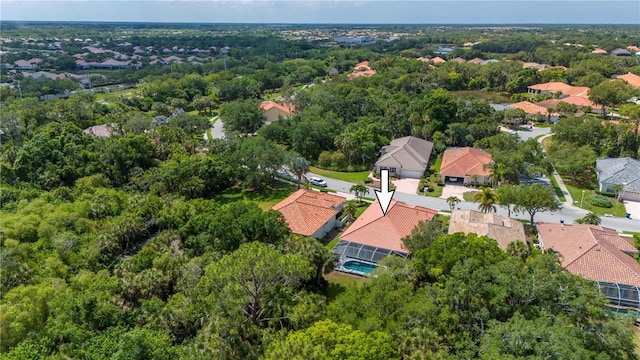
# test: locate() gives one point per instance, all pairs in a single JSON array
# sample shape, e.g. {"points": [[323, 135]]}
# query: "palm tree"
{"points": [[452, 201], [590, 218], [487, 200], [617, 188], [350, 208], [299, 167], [359, 190]]}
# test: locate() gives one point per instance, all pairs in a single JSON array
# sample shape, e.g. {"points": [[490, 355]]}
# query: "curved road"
{"points": [[568, 213]]}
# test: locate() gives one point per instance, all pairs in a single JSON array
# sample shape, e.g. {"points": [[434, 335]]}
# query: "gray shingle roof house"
{"points": [[620, 171], [406, 157], [620, 52]]}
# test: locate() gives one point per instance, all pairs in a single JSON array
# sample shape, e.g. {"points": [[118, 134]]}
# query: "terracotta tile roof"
{"points": [[424, 59], [465, 161], [458, 60], [631, 78], [365, 73], [438, 60], [502, 229], [593, 252], [306, 211], [268, 105], [578, 101], [362, 66], [374, 229], [599, 51], [476, 61], [531, 108], [565, 89]]}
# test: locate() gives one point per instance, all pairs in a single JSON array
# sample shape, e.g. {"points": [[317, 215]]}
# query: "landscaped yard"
{"points": [[576, 194], [266, 198], [352, 177]]}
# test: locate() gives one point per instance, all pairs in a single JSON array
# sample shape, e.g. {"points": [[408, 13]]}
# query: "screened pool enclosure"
{"points": [[350, 253]]}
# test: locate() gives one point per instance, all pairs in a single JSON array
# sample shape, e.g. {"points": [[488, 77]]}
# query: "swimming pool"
{"points": [[359, 267]]}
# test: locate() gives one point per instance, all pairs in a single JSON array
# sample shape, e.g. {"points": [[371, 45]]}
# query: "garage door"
{"points": [[633, 196], [412, 174]]}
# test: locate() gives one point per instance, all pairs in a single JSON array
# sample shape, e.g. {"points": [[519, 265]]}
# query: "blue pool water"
{"points": [[359, 266]]}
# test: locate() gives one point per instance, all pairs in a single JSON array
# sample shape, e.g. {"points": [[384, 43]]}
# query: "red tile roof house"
{"points": [[598, 254], [554, 88], [373, 236], [467, 164], [273, 111], [535, 110], [311, 213], [631, 79]]}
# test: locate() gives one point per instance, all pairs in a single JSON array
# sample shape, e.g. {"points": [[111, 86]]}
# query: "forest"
{"points": [[160, 243]]}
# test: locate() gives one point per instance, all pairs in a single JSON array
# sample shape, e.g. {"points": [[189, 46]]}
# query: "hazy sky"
{"points": [[327, 11]]}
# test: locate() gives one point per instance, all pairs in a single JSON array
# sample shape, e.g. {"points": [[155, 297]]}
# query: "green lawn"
{"points": [[468, 196], [576, 194], [484, 95], [340, 282], [266, 198], [636, 341], [352, 177]]}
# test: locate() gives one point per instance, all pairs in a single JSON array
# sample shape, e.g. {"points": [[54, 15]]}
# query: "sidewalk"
{"points": [[568, 203]]}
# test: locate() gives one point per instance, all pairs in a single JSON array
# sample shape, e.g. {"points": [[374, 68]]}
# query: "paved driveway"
{"points": [[633, 208], [406, 186], [455, 190]]}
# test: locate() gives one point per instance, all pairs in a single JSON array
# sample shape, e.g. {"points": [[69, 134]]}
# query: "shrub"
{"points": [[600, 201], [324, 160], [605, 193]]}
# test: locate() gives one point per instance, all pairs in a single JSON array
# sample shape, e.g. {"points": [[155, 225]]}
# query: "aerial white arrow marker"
{"points": [[384, 195]]}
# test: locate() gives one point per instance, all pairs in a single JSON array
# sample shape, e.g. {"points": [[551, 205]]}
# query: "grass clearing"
{"points": [[576, 193], [340, 282], [493, 97], [265, 198], [636, 341], [352, 177]]}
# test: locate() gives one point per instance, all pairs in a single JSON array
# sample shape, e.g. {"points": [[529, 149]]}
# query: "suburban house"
{"points": [[620, 52], [311, 213], [532, 109], [438, 60], [405, 157], [598, 254], [362, 69], [599, 51], [476, 61], [502, 229], [579, 101], [273, 111], [554, 88], [374, 236], [99, 130], [465, 165], [631, 79], [619, 171]]}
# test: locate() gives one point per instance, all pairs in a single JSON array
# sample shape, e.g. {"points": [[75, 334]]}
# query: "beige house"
{"points": [[406, 157], [273, 111], [502, 229]]}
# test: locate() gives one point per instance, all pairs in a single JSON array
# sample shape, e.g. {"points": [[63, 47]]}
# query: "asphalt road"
{"points": [[568, 214]]}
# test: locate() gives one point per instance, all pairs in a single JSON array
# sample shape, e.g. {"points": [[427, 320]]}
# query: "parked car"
{"points": [[318, 181]]}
